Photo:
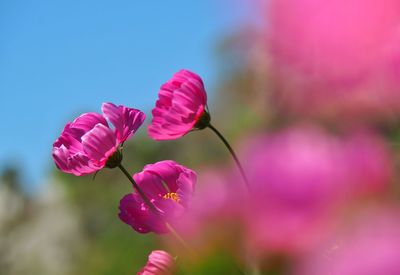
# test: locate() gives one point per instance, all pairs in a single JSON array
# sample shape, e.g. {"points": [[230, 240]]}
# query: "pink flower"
{"points": [[88, 143], [302, 177], [159, 263], [319, 56], [181, 106], [366, 244], [215, 208], [169, 186]]}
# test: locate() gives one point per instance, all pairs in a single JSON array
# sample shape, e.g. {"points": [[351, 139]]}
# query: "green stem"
{"points": [[226, 143], [141, 193]]}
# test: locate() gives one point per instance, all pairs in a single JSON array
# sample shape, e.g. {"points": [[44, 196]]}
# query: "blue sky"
{"points": [[61, 58]]}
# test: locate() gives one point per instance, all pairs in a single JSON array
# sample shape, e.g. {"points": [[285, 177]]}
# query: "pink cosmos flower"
{"points": [[181, 106], [367, 244], [215, 208], [336, 58], [88, 143], [214, 221], [169, 186], [302, 177], [159, 263]]}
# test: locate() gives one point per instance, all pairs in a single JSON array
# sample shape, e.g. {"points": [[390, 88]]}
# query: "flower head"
{"points": [[302, 178], [159, 263], [180, 107], [88, 143], [169, 186], [368, 243], [319, 61]]}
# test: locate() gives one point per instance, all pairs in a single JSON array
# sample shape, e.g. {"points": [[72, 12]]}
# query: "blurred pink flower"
{"points": [[159, 263], [340, 57], [300, 177], [213, 222], [215, 203], [169, 186], [368, 245], [87, 143], [180, 107]]}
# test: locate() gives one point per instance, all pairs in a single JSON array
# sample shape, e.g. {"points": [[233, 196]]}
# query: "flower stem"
{"points": [[153, 208], [226, 143], [137, 188]]}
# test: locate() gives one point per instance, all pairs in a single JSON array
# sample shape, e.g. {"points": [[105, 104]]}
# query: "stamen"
{"points": [[172, 196]]}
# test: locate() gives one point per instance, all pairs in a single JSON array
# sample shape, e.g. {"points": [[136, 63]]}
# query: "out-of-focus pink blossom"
{"points": [[219, 198], [336, 57], [88, 142], [159, 263], [169, 186], [367, 246], [300, 176], [213, 222], [180, 106]]}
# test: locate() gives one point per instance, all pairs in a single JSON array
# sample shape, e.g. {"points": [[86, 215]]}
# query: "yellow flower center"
{"points": [[172, 196]]}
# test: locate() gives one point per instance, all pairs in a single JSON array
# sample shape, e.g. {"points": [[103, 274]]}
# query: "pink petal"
{"points": [[60, 156], [125, 120], [150, 184], [186, 183], [85, 123], [80, 164], [77, 164], [160, 262], [66, 139], [135, 213], [181, 102], [167, 170], [99, 143]]}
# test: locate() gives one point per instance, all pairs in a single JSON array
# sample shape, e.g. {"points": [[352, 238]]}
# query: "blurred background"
{"points": [[307, 91]]}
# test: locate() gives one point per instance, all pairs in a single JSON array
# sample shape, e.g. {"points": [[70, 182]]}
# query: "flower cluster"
{"points": [[319, 197], [163, 190]]}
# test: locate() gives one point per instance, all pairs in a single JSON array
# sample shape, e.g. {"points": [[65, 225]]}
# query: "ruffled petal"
{"points": [[181, 103], [125, 120], [170, 209], [186, 183], [77, 164], [160, 262], [71, 143], [168, 171], [85, 123], [135, 213], [150, 184], [99, 143], [60, 156]]}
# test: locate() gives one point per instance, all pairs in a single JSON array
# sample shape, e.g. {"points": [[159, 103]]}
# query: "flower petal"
{"points": [[125, 120], [167, 170], [99, 143], [181, 103], [135, 213], [85, 123], [186, 183], [77, 164], [151, 184], [160, 262]]}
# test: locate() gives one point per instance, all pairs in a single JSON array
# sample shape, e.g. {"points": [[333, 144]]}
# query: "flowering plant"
{"points": [[303, 197]]}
